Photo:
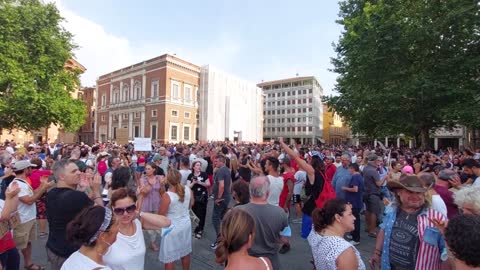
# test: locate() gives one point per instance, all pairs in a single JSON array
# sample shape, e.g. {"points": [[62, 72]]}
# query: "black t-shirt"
{"points": [[199, 190], [63, 204], [159, 171], [313, 192]]}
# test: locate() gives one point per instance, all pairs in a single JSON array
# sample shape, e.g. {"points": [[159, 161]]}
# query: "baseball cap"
{"points": [[372, 157], [407, 170], [156, 157], [22, 164]]}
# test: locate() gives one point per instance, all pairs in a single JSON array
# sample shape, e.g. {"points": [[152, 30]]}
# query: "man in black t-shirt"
{"points": [[63, 203]]}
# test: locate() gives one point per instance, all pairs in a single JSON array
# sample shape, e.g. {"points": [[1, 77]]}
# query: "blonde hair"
{"points": [[173, 178]]}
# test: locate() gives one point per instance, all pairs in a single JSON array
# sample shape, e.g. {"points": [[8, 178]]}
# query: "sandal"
{"points": [[43, 234], [34, 267], [373, 235]]}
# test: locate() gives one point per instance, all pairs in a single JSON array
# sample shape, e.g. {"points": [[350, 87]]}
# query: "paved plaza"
{"points": [[203, 256]]}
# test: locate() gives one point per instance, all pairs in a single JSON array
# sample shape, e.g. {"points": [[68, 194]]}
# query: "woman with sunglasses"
{"points": [[128, 252], [96, 230], [175, 204]]}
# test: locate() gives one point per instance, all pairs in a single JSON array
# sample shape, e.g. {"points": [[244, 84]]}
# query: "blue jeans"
{"points": [[10, 259], [219, 211], [306, 225]]}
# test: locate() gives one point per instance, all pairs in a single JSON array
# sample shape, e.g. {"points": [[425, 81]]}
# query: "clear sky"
{"points": [[253, 39]]}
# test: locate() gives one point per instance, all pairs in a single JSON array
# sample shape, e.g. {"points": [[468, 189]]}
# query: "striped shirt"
{"points": [[431, 251]]}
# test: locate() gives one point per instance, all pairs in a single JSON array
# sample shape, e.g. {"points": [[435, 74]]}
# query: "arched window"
{"points": [[137, 90], [116, 96], [125, 93]]}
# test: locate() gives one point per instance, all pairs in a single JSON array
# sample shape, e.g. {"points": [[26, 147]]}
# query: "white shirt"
{"points": [[300, 178], [10, 149], [185, 174], [26, 212], [128, 252], [439, 205], [78, 261], [276, 186]]}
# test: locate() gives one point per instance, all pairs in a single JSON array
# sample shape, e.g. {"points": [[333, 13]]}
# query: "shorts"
{"points": [[306, 225], [25, 233], [296, 198], [373, 204], [140, 169]]}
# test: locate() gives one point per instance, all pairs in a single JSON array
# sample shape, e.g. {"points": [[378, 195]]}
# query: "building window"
{"points": [[116, 96], [93, 125], [186, 133], [137, 114], [125, 116], [175, 89], [173, 133], [103, 118], [155, 89], [309, 128], [154, 113], [187, 115], [154, 132], [136, 131], [187, 93], [310, 91], [174, 113], [310, 109], [104, 100], [125, 93], [137, 90]]}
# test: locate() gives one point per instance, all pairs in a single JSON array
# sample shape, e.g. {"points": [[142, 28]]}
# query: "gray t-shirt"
{"points": [[404, 241], [270, 220], [370, 176], [222, 173]]}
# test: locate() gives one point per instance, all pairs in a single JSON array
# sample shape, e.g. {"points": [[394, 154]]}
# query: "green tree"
{"points": [[407, 66], [35, 88]]}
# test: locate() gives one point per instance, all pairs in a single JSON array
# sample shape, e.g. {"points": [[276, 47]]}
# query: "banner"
{"points": [[142, 144]]}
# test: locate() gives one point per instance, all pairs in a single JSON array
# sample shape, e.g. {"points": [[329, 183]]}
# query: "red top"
{"points": [[330, 172], [36, 175], [141, 159], [289, 176], [6, 242]]}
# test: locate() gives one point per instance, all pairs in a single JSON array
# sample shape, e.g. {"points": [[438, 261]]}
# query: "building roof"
{"points": [[293, 79], [164, 57], [74, 64]]}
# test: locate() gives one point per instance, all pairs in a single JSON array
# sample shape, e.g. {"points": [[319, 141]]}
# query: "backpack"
{"points": [[328, 193]]}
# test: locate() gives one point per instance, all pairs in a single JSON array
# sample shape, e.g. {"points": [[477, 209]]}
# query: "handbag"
{"points": [[195, 220]]}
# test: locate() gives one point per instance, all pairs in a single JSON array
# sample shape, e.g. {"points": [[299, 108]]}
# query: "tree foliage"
{"points": [[407, 66], [35, 88]]}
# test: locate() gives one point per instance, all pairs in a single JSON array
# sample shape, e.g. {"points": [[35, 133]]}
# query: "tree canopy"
{"points": [[35, 88], [407, 66]]}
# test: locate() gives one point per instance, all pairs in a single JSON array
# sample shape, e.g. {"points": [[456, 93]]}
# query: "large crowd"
{"points": [[93, 204]]}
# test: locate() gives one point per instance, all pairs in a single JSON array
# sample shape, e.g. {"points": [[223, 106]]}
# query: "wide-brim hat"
{"points": [[408, 182]]}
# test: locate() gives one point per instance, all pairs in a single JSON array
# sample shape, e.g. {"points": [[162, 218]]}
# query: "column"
{"points": [[435, 143], [375, 142], [144, 85], [142, 124], [131, 93], [130, 125], [398, 142], [111, 93], [121, 92], [109, 126], [410, 143], [120, 116], [386, 141]]}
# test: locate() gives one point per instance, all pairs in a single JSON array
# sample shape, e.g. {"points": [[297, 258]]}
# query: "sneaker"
{"points": [[198, 235], [213, 245], [285, 248], [297, 221], [355, 243]]}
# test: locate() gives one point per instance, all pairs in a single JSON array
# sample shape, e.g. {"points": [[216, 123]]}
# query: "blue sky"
{"points": [[254, 40]]}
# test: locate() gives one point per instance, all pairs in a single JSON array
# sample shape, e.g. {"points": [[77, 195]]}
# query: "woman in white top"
{"points": [[128, 252], [236, 237], [330, 250], [175, 204], [96, 230]]}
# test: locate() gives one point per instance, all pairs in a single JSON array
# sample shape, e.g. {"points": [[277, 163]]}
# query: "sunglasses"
{"points": [[120, 211]]}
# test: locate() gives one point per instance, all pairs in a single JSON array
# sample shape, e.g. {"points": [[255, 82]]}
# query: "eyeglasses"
{"points": [[120, 211]]}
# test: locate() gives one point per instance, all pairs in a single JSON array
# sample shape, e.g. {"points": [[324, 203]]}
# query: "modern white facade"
{"points": [[229, 108], [293, 109]]}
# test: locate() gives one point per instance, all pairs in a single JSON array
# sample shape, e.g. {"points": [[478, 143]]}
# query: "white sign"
{"points": [[142, 144]]}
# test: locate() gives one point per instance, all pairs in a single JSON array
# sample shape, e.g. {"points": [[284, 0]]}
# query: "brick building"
{"points": [[157, 98], [85, 134]]}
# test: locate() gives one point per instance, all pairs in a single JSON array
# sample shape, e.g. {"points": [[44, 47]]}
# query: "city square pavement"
{"points": [[203, 256]]}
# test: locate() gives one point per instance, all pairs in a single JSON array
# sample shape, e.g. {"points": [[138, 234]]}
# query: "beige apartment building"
{"points": [[156, 98]]}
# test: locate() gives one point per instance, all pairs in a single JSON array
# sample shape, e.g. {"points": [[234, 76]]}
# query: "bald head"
{"points": [[259, 187]]}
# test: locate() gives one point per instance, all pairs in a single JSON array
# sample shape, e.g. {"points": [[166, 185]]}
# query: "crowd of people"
{"points": [[93, 204]]}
